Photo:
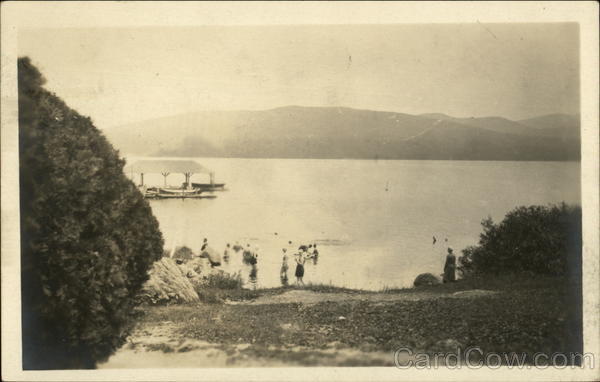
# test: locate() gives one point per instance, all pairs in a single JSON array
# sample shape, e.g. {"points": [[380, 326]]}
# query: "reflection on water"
{"points": [[253, 276], [246, 263]]}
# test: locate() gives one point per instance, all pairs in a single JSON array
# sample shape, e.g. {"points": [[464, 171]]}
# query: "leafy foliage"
{"points": [[224, 280], [534, 239], [222, 286], [183, 253], [88, 237]]}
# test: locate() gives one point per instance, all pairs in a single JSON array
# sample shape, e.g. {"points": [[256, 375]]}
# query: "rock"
{"points": [[213, 256], [427, 279], [168, 284], [199, 265]]}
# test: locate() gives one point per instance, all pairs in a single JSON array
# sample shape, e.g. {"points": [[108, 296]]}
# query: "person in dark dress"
{"points": [[300, 259], [450, 267]]}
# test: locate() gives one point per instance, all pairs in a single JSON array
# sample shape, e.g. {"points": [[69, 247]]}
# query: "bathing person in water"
{"points": [[284, 268], [226, 254], [237, 247], [255, 256], [247, 255], [300, 259], [315, 254], [450, 267]]}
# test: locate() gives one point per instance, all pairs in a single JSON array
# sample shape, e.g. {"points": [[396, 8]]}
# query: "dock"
{"points": [[187, 190]]}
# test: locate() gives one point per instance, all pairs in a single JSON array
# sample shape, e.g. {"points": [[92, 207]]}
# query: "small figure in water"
{"points": [[247, 255], [434, 240], [315, 254], [255, 255], [204, 244], [450, 267], [284, 268], [237, 247], [300, 259], [226, 254]]}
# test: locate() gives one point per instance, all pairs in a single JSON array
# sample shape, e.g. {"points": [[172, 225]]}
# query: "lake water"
{"points": [[373, 221]]}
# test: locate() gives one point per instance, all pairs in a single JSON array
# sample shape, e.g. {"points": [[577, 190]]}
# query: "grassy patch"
{"points": [[530, 315], [328, 288], [219, 287], [219, 296], [506, 282]]}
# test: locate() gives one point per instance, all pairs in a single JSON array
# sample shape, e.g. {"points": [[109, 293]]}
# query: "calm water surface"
{"points": [[373, 221]]}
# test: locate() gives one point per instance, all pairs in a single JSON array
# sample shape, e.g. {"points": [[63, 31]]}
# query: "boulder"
{"points": [[427, 279], [169, 283], [213, 256]]}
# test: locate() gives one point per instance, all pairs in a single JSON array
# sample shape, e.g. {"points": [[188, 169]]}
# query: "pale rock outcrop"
{"points": [[169, 283]]}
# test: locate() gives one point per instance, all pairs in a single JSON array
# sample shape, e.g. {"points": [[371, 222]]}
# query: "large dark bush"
{"points": [[534, 239], [88, 237]]}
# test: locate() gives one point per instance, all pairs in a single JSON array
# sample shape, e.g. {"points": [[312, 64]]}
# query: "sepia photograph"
{"points": [[297, 194]]}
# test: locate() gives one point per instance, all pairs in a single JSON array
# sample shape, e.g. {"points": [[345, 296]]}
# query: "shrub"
{"points": [[88, 237], [534, 239], [183, 253], [221, 286], [223, 280]]}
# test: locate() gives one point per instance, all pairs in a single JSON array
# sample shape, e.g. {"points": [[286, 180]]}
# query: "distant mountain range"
{"points": [[338, 132]]}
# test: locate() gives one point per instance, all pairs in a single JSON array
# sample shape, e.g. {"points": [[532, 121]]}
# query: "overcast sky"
{"points": [[118, 76]]}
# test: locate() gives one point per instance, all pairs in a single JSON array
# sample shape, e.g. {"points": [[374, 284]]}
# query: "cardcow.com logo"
{"points": [[475, 358]]}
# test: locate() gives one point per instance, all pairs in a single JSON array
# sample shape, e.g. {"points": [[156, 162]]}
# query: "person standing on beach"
{"points": [[450, 267], [300, 259]]}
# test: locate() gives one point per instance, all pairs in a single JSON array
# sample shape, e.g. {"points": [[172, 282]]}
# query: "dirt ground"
{"points": [[329, 326], [159, 344]]}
